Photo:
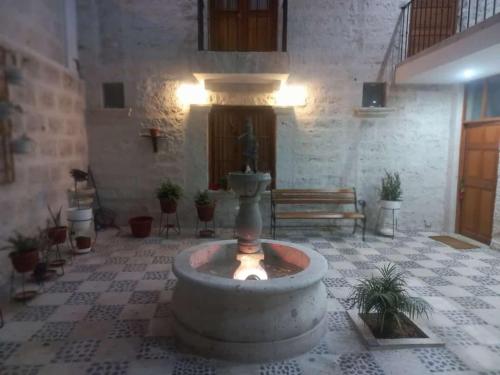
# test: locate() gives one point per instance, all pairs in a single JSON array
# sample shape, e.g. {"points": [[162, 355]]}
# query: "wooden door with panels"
{"points": [[226, 124], [478, 179]]}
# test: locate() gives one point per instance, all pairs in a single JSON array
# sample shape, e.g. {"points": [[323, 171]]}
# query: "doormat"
{"points": [[454, 242]]}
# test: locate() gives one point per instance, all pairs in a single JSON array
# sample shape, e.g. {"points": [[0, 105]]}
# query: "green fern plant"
{"points": [[391, 187], [387, 297], [169, 190], [19, 243], [202, 198]]}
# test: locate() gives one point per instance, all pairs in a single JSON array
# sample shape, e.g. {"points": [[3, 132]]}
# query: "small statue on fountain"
{"points": [[250, 147]]}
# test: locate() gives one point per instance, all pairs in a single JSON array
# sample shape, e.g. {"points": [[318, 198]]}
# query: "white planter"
{"points": [[80, 219], [388, 217], [391, 205]]}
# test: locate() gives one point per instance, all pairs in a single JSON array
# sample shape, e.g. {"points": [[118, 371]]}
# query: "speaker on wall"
{"points": [[373, 94]]}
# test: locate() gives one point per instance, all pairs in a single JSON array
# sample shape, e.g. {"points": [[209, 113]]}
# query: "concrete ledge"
{"points": [[383, 344]]}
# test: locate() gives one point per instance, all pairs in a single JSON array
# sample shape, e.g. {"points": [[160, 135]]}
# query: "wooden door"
{"points": [[431, 21], [226, 124], [478, 180], [243, 25]]}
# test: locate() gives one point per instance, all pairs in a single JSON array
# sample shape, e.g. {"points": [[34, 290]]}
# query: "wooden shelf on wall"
{"points": [[373, 112]]}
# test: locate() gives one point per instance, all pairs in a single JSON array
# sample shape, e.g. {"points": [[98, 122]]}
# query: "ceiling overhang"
{"points": [[472, 54]]}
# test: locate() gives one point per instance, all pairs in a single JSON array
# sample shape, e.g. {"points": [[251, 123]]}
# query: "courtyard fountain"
{"points": [[249, 299]]}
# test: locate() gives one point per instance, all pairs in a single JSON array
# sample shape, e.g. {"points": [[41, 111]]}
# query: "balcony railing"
{"points": [[425, 23], [204, 29]]}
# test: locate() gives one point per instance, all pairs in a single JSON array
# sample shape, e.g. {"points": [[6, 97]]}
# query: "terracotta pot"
{"points": [[57, 235], [83, 242], [154, 132], [25, 261], [141, 226], [206, 212], [168, 206]]}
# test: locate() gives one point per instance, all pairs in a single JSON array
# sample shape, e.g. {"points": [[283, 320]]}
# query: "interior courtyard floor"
{"points": [[110, 312]]}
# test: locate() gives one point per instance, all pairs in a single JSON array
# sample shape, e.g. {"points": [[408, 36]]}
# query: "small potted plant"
{"points": [[13, 75], [56, 233], [390, 200], [169, 194], [7, 109], [385, 306], [205, 206], [223, 183], [24, 252]]}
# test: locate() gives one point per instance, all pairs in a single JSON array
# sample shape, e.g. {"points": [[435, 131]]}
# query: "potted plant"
{"points": [[24, 254], [169, 194], [385, 306], [13, 75], [205, 206], [390, 200], [223, 183], [140, 226], [22, 145], [7, 109], [57, 232]]}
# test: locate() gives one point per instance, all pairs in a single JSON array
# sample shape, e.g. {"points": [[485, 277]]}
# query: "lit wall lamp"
{"points": [[291, 96], [189, 93]]}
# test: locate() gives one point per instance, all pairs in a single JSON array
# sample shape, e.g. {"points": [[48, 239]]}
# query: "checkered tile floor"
{"points": [[110, 312]]}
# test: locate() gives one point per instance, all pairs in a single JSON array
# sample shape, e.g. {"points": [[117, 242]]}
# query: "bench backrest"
{"points": [[313, 196]]}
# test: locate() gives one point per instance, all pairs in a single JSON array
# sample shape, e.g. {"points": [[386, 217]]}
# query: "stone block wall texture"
{"points": [[333, 47], [36, 24], [53, 103]]}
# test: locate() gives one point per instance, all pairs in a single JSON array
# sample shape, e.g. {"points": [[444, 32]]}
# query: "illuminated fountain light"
{"points": [[250, 267]]}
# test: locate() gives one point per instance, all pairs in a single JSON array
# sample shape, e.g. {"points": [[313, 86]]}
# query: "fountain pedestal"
{"points": [[249, 187]]}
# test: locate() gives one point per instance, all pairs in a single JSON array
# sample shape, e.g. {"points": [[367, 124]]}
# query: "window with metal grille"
{"points": [[226, 124], [243, 25]]}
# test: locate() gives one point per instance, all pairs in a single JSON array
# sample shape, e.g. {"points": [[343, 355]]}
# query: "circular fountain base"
{"points": [[251, 320]]}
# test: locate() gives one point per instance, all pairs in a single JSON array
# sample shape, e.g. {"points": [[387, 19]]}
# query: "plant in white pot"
{"points": [[390, 202]]}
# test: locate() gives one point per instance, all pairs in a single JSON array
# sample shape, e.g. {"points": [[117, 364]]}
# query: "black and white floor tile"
{"points": [[114, 300]]}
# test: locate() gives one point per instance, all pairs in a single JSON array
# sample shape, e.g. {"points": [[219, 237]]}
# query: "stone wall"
{"points": [[53, 103], [36, 24], [333, 47]]}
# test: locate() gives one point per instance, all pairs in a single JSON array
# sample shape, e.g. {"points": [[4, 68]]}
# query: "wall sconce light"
{"points": [[188, 93], [291, 96]]}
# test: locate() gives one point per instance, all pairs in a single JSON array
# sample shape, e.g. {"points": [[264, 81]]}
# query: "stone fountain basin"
{"points": [[249, 320]]}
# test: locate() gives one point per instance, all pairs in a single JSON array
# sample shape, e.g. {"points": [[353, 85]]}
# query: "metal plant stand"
{"points": [[176, 225], [394, 219], [59, 261], [206, 232], [24, 295]]}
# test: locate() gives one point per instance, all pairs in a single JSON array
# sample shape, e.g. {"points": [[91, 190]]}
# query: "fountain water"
{"points": [[249, 299]]}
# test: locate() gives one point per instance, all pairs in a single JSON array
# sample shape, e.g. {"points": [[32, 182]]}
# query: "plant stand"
{"points": [[23, 295], [176, 226], [394, 215], [58, 261], [205, 232]]}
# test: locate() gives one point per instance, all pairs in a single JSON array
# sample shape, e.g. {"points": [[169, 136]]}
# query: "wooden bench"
{"points": [[306, 197]]}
